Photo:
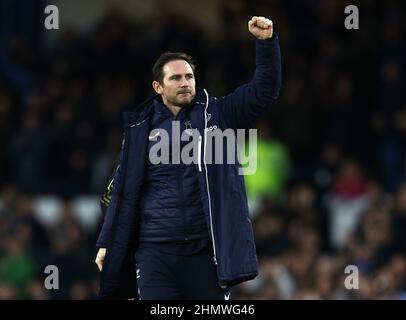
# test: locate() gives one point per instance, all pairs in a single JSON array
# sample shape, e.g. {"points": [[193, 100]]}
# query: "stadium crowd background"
{"points": [[330, 188]]}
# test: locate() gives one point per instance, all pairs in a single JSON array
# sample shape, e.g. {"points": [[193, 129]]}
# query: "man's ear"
{"points": [[157, 87]]}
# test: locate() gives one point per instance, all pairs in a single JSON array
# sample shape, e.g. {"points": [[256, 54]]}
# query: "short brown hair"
{"points": [[164, 58]]}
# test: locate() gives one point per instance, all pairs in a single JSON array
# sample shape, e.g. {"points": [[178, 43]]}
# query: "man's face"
{"points": [[178, 87]]}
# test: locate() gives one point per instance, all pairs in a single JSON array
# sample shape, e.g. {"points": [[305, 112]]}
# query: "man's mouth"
{"points": [[184, 92]]}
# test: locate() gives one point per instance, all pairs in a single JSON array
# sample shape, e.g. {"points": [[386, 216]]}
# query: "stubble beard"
{"points": [[182, 102]]}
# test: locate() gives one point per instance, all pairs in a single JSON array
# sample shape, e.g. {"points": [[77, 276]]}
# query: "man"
{"points": [[182, 231]]}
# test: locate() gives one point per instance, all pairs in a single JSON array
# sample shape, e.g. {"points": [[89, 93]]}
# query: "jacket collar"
{"points": [[145, 109]]}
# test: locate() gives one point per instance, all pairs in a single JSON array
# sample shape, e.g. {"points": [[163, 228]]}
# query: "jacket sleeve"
{"points": [[241, 108], [108, 204]]}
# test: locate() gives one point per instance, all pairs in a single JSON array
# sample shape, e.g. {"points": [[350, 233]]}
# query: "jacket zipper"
{"points": [[179, 173], [199, 153], [207, 178]]}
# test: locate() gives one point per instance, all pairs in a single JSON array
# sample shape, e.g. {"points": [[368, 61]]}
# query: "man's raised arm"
{"points": [[242, 107]]}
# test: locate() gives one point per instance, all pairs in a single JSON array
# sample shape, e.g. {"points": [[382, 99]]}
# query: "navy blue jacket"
{"points": [[170, 207], [222, 189]]}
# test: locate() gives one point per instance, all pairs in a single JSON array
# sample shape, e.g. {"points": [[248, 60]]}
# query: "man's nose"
{"points": [[184, 83]]}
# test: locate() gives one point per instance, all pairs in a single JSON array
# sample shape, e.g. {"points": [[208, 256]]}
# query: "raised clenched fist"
{"points": [[261, 27]]}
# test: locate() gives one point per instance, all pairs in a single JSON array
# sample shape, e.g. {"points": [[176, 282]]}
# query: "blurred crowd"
{"points": [[332, 147]]}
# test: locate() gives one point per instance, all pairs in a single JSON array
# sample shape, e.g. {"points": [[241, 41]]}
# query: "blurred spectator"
{"points": [[346, 203], [27, 151], [16, 266], [273, 168]]}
